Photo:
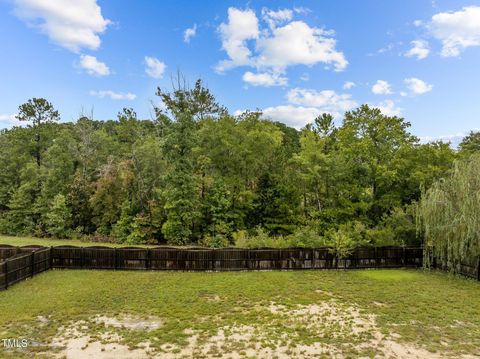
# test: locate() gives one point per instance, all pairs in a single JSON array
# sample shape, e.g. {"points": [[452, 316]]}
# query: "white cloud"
{"points": [[242, 25], [348, 85], [296, 43], [190, 33], [302, 10], [417, 86], [275, 47], [7, 121], [389, 108], [389, 47], [275, 18], [72, 24], [264, 79], [305, 77], [294, 116], [454, 139], [456, 30], [305, 104], [93, 66], [381, 87], [419, 49], [418, 23], [113, 95], [154, 67], [326, 100]]}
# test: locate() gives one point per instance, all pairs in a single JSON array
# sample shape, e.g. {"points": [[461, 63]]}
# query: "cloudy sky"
{"points": [[291, 59]]}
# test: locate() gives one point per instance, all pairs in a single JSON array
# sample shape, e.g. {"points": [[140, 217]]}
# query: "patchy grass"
{"points": [[370, 313], [23, 241]]}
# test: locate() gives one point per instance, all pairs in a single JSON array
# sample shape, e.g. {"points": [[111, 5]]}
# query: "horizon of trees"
{"points": [[197, 174]]}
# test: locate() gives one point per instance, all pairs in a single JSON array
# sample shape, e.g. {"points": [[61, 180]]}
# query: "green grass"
{"points": [[23, 241], [435, 311]]}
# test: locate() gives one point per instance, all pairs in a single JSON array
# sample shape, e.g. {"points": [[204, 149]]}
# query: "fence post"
{"points": [[376, 257], [32, 259], [478, 268], [51, 257], [115, 264], [82, 257], [404, 257], [213, 259], [6, 273], [148, 263]]}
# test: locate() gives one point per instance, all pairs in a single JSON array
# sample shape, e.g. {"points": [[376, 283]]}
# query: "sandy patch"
{"points": [[130, 322], [337, 329], [351, 328], [324, 292], [73, 343]]}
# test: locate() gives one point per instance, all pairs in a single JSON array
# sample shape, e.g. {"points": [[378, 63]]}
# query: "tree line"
{"points": [[197, 174]]}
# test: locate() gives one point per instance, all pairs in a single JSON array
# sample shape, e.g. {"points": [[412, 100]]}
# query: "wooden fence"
{"points": [[22, 262], [228, 259], [468, 268]]}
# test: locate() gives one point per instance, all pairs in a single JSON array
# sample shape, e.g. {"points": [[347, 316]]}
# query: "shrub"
{"points": [[217, 241], [58, 218], [341, 241], [306, 237]]}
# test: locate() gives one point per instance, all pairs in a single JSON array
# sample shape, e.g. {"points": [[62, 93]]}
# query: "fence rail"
{"points": [[228, 259], [469, 268], [22, 262], [25, 263]]}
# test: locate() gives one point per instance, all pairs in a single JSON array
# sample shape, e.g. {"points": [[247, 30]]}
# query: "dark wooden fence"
{"points": [[18, 263], [468, 268], [22, 262], [228, 259]]}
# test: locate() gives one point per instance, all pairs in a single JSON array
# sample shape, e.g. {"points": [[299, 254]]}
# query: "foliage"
{"points": [[58, 218], [449, 216], [197, 174], [217, 241], [470, 144]]}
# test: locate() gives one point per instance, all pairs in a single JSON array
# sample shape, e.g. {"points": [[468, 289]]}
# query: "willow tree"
{"points": [[449, 216]]}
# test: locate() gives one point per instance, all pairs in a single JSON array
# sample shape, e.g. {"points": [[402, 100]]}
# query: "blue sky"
{"points": [[417, 59]]}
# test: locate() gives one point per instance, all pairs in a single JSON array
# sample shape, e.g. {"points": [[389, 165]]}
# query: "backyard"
{"points": [[126, 314]]}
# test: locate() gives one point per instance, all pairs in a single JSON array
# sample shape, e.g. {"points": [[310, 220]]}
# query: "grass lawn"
{"points": [[23, 241], [370, 313]]}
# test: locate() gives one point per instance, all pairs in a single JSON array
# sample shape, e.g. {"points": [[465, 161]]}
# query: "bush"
{"points": [[258, 239], [341, 241], [303, 237], [402, 223], [306, 237], [217, 241], [58, 218]]}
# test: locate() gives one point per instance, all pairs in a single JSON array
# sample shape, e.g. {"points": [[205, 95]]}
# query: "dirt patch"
{"points": [[130, 322], [335, 330], [350, 328], [324, 292], [73, 342]]}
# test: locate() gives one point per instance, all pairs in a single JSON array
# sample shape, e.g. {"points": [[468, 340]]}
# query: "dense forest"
{"points": [[197, 174]]}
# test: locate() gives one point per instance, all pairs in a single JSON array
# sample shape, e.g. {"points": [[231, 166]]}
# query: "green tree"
{"points": [[38, 112], [470, 144], [186, 106], [58, 218], [22, 216], [449, 216]]}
